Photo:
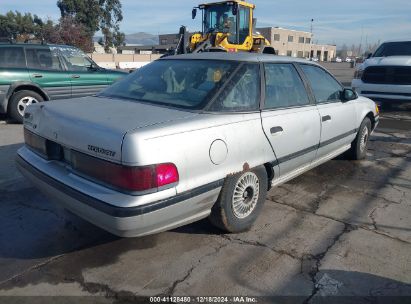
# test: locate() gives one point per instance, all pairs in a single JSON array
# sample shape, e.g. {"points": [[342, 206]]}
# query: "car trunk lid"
{"points": [[95, 125]]}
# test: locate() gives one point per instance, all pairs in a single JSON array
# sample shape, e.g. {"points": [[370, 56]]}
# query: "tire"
{"points": [[237, 213], [19, 101], [358, 148]]}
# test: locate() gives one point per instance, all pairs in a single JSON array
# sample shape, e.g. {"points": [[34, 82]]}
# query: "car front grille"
{"points": [[400, 75]]}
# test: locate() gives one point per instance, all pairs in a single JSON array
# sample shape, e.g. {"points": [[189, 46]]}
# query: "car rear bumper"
{"points": [[133, 221], [382, 92]]}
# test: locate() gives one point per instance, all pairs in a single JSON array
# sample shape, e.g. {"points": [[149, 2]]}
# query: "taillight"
{"points": [[46, 148], [125, 177], [166, 174], [35, 142]]}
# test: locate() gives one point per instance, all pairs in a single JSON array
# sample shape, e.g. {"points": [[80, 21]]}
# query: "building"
{"points": [[145, 49], [286, 43], [293, 43]]}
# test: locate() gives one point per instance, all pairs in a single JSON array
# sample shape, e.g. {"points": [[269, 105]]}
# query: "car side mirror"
{"points": [[348, 94], [194, 13], [369, 55], [93, 67]]}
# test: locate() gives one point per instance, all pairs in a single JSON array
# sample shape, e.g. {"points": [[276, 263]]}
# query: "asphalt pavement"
{"points": [[341, 229]]}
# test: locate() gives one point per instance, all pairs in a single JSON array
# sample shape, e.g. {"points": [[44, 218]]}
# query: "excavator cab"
{"points": [[229, 19]]}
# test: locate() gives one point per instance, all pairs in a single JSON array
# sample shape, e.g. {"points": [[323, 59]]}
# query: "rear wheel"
{"points": [[19, 101], [240, 200], [358, 148]]}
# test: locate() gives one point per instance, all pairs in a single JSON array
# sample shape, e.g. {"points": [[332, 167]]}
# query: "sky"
{"points": [[335, 22]]}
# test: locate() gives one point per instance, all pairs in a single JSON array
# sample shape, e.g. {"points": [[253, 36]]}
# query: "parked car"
{"points": [[192, 136], [338, 59], [349, 59], [315, 59], [32, 73], [386, 75]]}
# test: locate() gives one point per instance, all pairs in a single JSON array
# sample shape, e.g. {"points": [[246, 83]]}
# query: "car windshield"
{"points": [[188, 84], [394, 49]]}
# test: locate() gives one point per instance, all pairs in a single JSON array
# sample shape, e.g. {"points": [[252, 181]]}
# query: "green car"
{"points": [[31, 73]]}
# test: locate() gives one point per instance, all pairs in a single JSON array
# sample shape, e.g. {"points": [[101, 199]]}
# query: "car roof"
{"points": [[34, 44], [240, 56], [397, 40]]}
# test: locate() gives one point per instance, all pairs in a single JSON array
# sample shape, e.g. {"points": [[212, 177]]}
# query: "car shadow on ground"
{"points": [[32, 227], [350, 279]]}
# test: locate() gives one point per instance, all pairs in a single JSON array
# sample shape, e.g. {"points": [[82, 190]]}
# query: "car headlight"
{"points": [[358, 73]]}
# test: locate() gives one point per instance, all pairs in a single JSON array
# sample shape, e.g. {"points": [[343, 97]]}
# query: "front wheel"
{"points": [[240, 200], [358, 148]]}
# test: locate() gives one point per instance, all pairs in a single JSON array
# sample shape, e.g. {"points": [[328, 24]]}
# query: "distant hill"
{"points": [[140, 38]]}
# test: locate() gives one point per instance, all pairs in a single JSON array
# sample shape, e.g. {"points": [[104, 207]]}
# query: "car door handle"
{"points": [[37, 75], [75, 76], [325, 118], [276, 130]]}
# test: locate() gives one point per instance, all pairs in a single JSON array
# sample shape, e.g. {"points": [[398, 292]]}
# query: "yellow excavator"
{"points": [[227, 26]]}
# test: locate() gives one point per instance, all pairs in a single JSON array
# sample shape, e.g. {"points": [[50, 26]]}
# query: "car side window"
{"points": [[242, 93], [283, 87], [324, 86], [12, 57], [42, 59], [76, 60]]}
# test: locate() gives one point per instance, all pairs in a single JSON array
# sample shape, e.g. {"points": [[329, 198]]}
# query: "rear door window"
{"points": [[242, 93], [12, 57], [42, 59], [284, 87], [324, 86]]}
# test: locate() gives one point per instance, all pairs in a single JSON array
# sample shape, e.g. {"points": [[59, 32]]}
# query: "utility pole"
{"points": [[362, 34], [311, 40]]}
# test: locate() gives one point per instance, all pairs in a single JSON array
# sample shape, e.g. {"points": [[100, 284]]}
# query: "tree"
{"points": [[18, 26], [96, 15], [70, 32], [27, 27]]}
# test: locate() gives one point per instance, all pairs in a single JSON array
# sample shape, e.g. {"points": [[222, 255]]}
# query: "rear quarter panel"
{"points": [[8, 76], [187, 145]]}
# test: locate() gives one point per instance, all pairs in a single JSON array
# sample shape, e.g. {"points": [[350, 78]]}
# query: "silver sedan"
{"points": [[192, 136]]}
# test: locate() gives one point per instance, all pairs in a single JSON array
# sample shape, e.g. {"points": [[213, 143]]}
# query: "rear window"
{"points": [[12, 57], [42, 59], [186, 84], [394, 49]]}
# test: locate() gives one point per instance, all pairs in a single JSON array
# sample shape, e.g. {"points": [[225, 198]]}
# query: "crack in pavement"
{"points": [[318, 257], [34, 267], [371, 215], [42, 210], [170, 291], [375, 195], [259, 244], [109, 293], [356, 226]]}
